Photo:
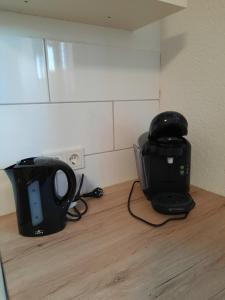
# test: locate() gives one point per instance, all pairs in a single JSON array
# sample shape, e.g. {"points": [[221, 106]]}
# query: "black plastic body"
{"points": [[165, 164], [162, 176], [54, 208]]}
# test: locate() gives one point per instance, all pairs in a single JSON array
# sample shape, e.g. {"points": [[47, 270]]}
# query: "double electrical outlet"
{"points": [[74, 157]]}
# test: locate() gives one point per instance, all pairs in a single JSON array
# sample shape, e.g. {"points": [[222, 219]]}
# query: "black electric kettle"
{"points": [[40, 210]]}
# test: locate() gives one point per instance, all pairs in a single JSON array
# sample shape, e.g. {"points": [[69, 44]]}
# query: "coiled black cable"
{"points": [[145, 221], [77, 214]]}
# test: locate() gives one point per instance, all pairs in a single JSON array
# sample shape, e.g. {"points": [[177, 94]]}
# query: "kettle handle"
{"points": [[66, 200]]}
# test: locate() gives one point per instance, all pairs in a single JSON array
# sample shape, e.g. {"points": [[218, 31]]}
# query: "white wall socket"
{"points": [[74, 157]]}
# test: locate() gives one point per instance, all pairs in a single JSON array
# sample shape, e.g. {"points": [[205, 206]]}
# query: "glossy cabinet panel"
{"points": [[86, 72], [131, 119], [31, 130], [22, 70]]}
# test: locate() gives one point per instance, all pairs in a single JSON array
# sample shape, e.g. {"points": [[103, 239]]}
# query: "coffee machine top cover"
{"points": [[167, 124]]}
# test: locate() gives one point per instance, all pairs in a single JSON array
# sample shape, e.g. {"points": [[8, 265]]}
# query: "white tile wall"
{"points": [[132, 118], [104, 169], [32, 130], [86, 72], [22, 70], [110, 168], [92, 75]]}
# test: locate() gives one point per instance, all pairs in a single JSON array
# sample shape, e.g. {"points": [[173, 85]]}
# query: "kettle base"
{"points": [[40, 231]]}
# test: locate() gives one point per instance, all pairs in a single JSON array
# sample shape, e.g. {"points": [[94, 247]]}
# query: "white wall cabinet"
{"points": [[22, 70], [86, 72], [123, 14]]}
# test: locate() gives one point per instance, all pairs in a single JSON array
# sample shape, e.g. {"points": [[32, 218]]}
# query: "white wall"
{"points": [[106, 129], [192, 82]]}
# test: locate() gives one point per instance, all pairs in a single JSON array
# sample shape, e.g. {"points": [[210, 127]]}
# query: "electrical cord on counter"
{"points": [[145, 221], [76, 215], [96, 193]]}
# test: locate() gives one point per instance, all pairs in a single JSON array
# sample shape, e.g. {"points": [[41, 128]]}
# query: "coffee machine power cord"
{"points": [[145, 221]]}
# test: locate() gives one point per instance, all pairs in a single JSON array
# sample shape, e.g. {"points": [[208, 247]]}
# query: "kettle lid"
{"points": [[34, 161]]}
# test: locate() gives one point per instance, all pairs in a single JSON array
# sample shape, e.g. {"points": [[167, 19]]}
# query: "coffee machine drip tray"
{"points": [[172, 203]]}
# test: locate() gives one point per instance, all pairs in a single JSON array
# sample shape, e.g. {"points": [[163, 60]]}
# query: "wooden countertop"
{"points": [[110, 255]]}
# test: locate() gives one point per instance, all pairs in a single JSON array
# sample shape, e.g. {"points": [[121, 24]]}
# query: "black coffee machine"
{"points": [[40, 210], [163, 158]]}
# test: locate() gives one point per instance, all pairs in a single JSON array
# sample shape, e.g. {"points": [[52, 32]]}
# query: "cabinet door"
{"points": [[22, 70], [85, 72]]}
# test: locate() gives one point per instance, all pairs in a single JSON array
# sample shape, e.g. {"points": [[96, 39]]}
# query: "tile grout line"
{"points": [[71, 102], [108, 151], [99, 153], [113, 119], [46, 67]]}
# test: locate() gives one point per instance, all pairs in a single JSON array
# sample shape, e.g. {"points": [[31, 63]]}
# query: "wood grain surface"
{"points": [[110, 255]]}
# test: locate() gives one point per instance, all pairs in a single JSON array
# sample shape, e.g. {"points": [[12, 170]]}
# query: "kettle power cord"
{"points": [[145, 221], [96, 193], [78, 198], [77, 215]]}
